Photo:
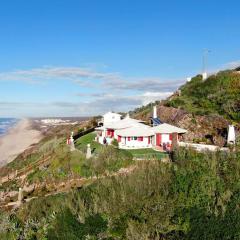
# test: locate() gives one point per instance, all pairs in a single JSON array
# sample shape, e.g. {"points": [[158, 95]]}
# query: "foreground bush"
{"points": [[195, 197]]}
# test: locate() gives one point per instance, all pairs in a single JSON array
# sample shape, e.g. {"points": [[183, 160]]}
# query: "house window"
{"points": [[140, 139], [129, 138], [134, 138], [170, 137], [110, 133]]}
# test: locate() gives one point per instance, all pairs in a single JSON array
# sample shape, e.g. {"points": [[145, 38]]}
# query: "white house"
{"points": [[134, 134]]}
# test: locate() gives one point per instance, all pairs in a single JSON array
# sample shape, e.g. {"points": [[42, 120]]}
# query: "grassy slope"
{"points": [[63, 164], [219, 94], [147, 153], [82, 142], [197, 197]]}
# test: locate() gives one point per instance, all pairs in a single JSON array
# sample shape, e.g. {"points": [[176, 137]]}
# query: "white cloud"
{"points": [[48, 73], [149, 97], [109, 91], [90, 78]]}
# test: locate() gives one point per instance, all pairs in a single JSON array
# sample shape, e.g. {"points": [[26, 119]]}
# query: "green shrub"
{"points": [[219, 94], [195, 197], [115, 142], [109, 159]]}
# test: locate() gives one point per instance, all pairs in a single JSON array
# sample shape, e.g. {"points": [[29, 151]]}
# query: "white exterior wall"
{"points": [[115, 135], [165, 138], [134, 143], [104, 135]]}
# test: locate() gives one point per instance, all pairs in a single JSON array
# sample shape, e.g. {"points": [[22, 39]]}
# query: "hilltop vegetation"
{"points": [[219, 94]]}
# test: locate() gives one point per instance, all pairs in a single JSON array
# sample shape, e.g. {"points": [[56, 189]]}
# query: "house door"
{"points": [[158, 139]]}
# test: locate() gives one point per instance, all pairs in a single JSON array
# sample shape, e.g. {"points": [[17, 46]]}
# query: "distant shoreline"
{"points": [[17, 139], [7, 127]]}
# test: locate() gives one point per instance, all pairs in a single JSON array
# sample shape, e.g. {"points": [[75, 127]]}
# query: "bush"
{"points": [[195, 197], [115, 143], [218, 94], [109, 159]]}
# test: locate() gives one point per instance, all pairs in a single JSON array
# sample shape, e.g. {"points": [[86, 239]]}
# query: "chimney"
{"points": [[155, 112]]}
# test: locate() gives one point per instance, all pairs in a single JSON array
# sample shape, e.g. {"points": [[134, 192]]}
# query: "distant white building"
{"points": [[133, 134], [110, 117]]}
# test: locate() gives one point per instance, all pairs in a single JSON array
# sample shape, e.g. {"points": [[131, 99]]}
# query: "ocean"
{"points": [[6, 123]]}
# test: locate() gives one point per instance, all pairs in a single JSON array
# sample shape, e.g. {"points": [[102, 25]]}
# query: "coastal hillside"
{"points": [[112, 196], [205, 108], [115, 195]]}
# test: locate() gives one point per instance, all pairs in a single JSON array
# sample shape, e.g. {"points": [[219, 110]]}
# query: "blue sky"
{"points": [[85, 57]]}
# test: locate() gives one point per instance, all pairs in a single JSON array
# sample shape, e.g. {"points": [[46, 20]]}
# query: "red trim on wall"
{"points": [[110, 132], [158, 139], [119, 138], [140, 139]]}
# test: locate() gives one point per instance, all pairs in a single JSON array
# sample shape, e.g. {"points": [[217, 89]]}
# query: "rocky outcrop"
{"points": [[211, 129]]}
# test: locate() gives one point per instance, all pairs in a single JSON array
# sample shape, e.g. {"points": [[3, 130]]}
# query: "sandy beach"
{"points": [[19, 138]]}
